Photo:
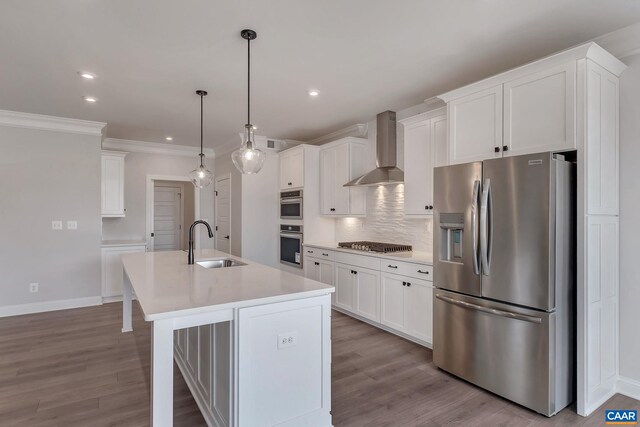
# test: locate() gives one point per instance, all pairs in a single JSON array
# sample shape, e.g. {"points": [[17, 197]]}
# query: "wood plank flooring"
{"points": [[74, 368]]}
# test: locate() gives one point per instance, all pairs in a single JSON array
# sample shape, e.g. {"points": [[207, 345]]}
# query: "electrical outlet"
{"points": [[33, 287], [56, 225], [287, 339], [72, 225]]}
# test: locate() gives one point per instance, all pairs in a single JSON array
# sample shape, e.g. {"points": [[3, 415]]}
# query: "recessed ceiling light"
{"points": [[87, 75], [314, 92], [91, 99], [169, 138]]}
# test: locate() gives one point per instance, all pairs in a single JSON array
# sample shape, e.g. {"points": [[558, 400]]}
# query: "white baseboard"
{"points": [[39, 307], [629, 387]]}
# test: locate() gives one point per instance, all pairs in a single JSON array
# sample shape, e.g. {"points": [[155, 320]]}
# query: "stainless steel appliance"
{"points": [[504, 276], [291, 245], [291, 204], [375, 246]]}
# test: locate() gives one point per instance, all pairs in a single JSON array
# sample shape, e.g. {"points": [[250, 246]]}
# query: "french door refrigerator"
{"points": [[504, 275]]}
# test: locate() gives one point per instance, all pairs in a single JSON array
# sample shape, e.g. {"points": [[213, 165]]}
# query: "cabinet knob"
{"points": [[505, 148], [288, 183], [430, 207], [316, 263], [408, 284], [496, 149], [332, 209], [404, 283], [426, 207]]}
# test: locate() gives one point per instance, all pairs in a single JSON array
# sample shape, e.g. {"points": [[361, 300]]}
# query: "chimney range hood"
{"points": [[386, 155]]}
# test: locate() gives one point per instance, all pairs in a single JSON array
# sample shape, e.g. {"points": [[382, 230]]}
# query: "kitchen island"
{"points": [[277, 348]]}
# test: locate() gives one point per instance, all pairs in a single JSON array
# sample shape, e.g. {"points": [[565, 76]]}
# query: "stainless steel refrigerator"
{"points": [[504, 275]]}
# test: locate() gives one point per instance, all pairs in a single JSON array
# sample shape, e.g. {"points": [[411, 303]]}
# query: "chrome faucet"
{"points": [[190, 256]]}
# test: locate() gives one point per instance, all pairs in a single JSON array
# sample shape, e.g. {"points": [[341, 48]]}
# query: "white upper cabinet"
{"points": [[539, 111], [475, 126], [602, 141], [425, 147], [292, 168], [340, 162], [113, 184]]}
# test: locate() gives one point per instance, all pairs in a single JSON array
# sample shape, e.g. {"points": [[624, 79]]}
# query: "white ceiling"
{"points": [[365, 56]]}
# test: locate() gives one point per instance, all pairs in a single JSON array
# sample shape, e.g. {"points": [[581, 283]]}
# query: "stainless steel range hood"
{"points": [[387, 171]]}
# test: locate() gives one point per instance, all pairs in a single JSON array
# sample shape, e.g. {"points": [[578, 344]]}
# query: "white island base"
{"points": [[253, 343]]}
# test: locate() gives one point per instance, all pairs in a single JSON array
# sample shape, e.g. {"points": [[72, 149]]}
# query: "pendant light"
{"points": [[201, 176], [248, 158]]}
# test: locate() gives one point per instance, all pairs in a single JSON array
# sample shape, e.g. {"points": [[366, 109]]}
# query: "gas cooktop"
{"points": [[375, 246]]}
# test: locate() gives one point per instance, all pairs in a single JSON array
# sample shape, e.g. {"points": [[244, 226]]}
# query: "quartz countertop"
{"points": [[123, 242], [413, 256], [167, 286]]}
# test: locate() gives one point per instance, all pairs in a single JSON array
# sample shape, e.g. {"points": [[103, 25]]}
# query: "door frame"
{"points": [[217, 179], [150, 200]]}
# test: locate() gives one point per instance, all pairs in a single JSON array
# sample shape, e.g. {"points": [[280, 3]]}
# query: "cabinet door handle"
{"points": [[430, 207], [404, 283], [392, 266], [496, 149], [332, 209], [325, 254], [505, 148], [316, 263], [408, 284], [423, 272], [288, 183], [426, 207]]}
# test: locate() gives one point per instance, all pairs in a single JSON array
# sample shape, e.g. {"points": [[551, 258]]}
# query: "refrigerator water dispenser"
{"points": [[451, 236]]}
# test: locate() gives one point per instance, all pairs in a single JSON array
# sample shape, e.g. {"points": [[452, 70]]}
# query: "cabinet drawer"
{"points": [[409, 269], [363, 261], [319, 253]]}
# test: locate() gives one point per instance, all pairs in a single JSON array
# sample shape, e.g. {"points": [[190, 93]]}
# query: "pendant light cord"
{"points": [[201, 129], [248, 81]]}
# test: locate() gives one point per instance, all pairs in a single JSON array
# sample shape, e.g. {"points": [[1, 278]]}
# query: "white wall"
{"points": [[260, 214], [629, 215], [224, 166], [137, 167], [47, 176]]}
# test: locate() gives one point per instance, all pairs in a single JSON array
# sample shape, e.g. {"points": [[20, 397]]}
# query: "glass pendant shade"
{"points": [[248, 159], [201, 176]]}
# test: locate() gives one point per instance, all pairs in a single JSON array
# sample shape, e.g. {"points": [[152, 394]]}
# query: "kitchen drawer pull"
{"points": [[423, 272], [323, 254], [392, 266], [494, 311], [309, 252]]}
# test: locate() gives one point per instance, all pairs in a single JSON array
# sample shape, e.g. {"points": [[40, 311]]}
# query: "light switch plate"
{"points": [[72, 225], [287, 339], [56, 225]]}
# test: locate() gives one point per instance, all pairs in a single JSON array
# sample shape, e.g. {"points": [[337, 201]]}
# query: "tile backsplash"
{"points": [[385, 221]]}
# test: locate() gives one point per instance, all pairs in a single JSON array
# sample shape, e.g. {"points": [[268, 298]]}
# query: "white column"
{"points": [[162, 373]]}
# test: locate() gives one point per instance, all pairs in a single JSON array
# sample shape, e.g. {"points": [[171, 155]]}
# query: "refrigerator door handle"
{"points": [[485, 227], [474, 226], [494, 311]]}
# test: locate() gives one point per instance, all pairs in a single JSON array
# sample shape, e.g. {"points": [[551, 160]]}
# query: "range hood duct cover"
{"points": [[387, 171]]}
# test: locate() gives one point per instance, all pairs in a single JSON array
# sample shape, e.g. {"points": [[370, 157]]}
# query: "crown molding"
{"points": [[589, 50], [51, 123], [359, 130], [154, 148], [423, 116], [623, 42]]}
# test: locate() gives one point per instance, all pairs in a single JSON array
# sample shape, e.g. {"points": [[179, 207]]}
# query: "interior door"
{"points": [[223, 214], [456, 231], [519, 205], [167, 218]]}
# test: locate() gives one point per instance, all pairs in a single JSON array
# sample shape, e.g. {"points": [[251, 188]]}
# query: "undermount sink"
{"points": [[220, 263]]}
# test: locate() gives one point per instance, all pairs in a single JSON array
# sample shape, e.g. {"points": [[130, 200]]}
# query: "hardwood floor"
{"points": [[74, 368]]}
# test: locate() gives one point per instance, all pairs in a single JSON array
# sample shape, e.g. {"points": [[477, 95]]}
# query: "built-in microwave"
{"points": [[291, 245], [291, 204]]}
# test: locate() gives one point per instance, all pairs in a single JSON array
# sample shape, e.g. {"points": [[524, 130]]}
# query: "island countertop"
{"points": [[167, 286]]}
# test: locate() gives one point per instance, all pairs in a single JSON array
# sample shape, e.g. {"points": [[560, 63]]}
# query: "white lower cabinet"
{"points": [[112, 271], [407, 305], [396, 295]]}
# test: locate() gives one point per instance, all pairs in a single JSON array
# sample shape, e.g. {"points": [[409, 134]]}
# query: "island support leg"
{"points": [[127, 296], [162, 373]]}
